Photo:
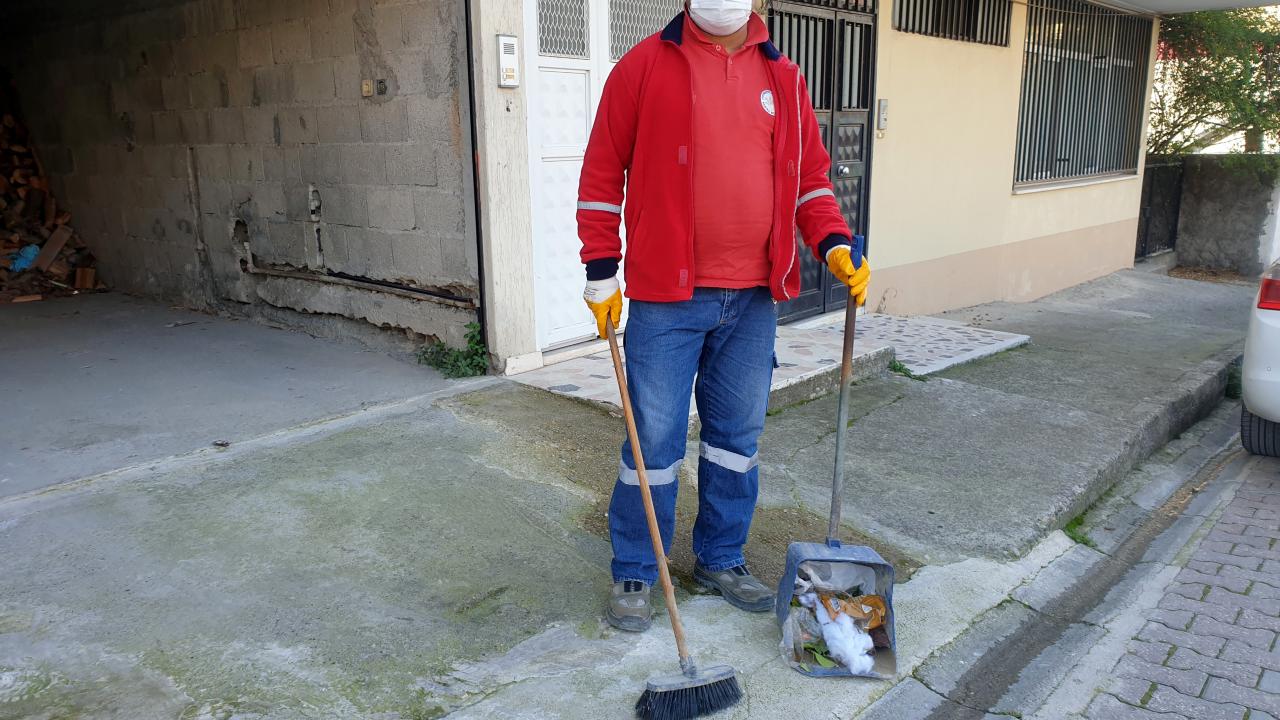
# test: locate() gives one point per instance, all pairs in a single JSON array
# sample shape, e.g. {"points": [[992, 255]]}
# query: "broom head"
{"points": [[683, 696]]}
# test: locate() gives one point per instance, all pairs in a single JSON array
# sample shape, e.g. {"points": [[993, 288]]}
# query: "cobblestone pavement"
{"points": [[1209, 649]]}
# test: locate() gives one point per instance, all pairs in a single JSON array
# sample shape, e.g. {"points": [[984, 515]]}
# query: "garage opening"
{"points": [[41, 254], [206, 223], [179, 150]]}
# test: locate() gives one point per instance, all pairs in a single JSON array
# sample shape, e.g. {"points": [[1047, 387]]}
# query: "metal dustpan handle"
{"points": [[842, 412]]}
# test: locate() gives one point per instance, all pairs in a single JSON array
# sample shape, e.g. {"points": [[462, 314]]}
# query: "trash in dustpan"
{"points": [[835, 609], [835, 603]]}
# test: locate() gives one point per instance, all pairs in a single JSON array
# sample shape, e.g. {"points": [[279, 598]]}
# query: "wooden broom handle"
{"points": [[659, 553]]}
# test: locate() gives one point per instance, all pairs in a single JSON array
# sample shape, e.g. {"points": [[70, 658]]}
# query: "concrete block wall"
{"points": [[175, 134], [1229, 212]]}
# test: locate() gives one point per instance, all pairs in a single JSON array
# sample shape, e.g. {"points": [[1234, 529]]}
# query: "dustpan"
{"points": [[856, 569], [838, 559]]}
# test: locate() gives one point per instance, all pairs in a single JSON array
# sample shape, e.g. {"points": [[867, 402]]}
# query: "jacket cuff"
{"points": [[833, 240], [602, 268]]}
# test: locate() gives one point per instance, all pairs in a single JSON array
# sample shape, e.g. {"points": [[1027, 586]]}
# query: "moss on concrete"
{"points": [[24, 687], [341, 573], [1076, 531], [582, 442], [15, 621], [777, 527], [333, 574]]}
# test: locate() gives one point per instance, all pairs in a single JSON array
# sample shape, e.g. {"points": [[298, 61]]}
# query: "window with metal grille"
{"points": [[562, 28], [1084, 81], [979, 21], [809, 37], [862, 6], [631, 21]]}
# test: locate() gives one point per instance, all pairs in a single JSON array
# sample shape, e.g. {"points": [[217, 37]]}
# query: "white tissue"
{"points": [[846, 643]]}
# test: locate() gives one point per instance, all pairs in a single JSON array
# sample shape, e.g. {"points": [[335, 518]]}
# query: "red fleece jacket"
{"points": [[641, 148]]}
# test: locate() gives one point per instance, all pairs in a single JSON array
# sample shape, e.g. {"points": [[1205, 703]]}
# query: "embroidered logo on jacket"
{"points": [[766, 101]]}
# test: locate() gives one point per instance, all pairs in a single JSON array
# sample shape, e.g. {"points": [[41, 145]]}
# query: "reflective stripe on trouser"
{"points": [[725, 338], [729, 460], [728, 484], [655, 476]]}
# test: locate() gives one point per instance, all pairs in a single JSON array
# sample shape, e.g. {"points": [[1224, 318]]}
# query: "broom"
{"points": [[691, 693]]}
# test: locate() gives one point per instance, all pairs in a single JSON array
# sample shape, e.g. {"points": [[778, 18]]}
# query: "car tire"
{"points": [[1258, 435]]}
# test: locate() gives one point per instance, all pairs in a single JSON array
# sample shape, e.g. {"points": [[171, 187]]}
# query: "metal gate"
{"points": [[1161, 202], [834, 45]]}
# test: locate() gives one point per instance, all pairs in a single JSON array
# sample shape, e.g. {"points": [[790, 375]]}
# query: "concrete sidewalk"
{"points": [[986, 458], [447, 553], [105, 381]]}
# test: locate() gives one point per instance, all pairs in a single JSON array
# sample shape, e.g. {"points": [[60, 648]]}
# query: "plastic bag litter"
{"points": [[845, 642], [854, 582], [831, 577], [24, 258]]}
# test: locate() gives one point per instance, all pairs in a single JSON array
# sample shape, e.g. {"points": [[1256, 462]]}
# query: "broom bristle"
{"points": [[688, 702]]}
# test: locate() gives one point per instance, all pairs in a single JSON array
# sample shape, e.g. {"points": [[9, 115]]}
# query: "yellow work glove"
{"points": [[854, 272], [604, 297]]}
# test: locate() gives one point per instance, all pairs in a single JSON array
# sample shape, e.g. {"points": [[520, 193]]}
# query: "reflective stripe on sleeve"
{"points": [[607, 207], [803, 198]]}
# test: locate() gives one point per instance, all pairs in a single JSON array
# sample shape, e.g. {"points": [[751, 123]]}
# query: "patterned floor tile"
{"points": [[925, 345]]}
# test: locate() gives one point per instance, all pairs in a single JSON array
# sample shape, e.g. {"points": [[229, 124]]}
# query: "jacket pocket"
{"points": [[632, 224]]}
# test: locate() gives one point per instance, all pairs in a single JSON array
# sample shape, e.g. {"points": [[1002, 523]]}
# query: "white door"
{"points": [[572, 46]]}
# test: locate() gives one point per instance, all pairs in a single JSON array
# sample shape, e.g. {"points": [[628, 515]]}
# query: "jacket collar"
{"points": [[674, 33]]}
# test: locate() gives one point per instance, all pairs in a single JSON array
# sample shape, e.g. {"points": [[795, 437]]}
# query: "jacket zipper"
{"points": [[791, 263], [688, 173]]}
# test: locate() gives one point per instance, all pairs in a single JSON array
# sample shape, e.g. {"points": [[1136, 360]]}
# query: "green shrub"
{"points": [[458, 363], [896, 366]]}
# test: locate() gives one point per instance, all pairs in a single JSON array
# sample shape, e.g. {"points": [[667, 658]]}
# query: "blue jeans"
{"points": [[725, 339]]}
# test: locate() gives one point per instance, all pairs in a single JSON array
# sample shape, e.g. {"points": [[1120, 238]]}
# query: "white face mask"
{"points": [[720, 17]]}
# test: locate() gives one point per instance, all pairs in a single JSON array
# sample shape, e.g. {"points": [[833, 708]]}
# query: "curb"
{"points": [[812, 385], [1044, 605], [826, 380], [1198, 393]]}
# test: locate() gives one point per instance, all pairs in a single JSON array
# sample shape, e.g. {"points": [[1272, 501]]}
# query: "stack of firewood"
{"points": [[40, 254]]}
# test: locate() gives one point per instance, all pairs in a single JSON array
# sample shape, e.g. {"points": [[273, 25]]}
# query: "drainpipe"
{"points": [[482, 311]]}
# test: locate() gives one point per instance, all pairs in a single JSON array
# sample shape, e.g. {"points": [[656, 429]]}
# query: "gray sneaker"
{"points": [[738, 586], [629, 608]]}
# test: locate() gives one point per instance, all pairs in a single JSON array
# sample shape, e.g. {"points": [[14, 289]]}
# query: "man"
{"points": [[711, 133]]}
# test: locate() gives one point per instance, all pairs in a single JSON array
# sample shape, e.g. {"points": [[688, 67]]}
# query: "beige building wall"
{"points": [[947, 228]]}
